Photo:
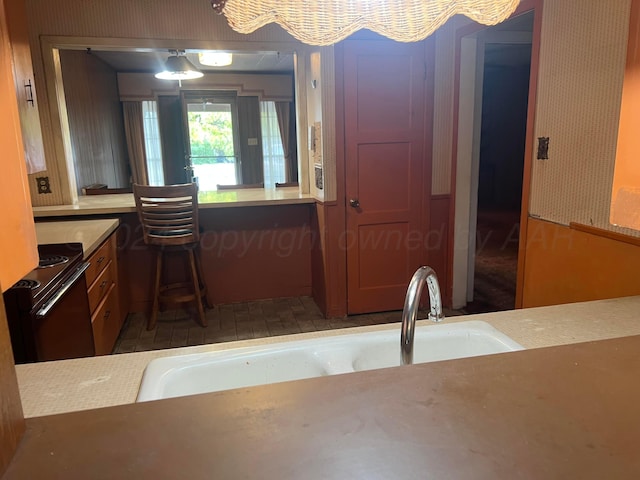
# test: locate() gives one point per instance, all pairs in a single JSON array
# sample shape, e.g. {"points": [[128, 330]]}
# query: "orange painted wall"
{"points": [[18, 254], [565, 265], [625, 197]]}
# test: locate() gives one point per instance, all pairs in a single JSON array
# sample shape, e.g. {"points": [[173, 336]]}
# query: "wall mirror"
{"points": [[238, 124]]}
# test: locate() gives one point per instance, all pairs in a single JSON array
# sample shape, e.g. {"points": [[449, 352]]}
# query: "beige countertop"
{"points": [[80, 384], [545, 413], [567, 412], [124, 202], [91, 233]]}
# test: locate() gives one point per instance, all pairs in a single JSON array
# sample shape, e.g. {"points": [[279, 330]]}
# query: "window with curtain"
{"points": [[273, 153], [152, 144]]}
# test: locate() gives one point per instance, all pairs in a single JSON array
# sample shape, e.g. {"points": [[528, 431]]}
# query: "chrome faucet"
{"points": [[412, 303]]}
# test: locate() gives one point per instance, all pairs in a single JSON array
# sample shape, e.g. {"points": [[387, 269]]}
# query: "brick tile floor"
{"points": [[239, 321]]}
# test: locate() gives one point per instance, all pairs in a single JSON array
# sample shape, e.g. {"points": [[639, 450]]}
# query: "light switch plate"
{"points": [[543, 148], [318, 176]]}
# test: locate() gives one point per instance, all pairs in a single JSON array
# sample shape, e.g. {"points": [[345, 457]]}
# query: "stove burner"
{"points": [[31, 284], [52, 260]]}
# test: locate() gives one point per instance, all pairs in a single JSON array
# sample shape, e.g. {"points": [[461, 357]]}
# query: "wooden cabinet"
{"points": [[18, 252], [107, 316], [25, 86]]}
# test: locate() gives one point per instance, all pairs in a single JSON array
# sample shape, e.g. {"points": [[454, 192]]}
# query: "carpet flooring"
{"points": [[496, 262]]}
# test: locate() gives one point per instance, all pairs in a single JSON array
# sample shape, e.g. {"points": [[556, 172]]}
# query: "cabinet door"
{"points": [[18, 252], [25, 86]]}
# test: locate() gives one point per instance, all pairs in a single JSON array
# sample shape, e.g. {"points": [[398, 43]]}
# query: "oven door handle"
{"points": [[63, 289]]}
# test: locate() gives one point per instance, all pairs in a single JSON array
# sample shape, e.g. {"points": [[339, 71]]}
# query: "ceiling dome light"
{"points": [[178, 67], [215, 59]]}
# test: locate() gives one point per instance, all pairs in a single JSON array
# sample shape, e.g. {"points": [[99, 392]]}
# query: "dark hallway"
{"points": [[502, 142]]}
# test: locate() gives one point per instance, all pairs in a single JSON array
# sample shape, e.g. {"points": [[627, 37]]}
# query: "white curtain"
{"points": [[135, 141], [153, 146], [283, 112], [273, 153]]}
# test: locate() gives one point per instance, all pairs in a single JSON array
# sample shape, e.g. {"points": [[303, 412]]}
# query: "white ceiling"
{"points": [[128, 61]]}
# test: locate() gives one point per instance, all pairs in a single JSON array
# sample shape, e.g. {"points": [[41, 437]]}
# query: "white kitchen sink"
{"points": [[294, 360]]}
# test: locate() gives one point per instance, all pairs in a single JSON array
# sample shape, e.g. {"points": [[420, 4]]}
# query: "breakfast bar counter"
{"points": [[124, 202], [242, 231]]}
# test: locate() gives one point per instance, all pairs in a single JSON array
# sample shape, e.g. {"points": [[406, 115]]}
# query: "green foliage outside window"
{"points": [[211, 136]]}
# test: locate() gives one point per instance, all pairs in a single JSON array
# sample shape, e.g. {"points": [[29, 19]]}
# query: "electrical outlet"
{"points": [[43, 185], [543, 148]]}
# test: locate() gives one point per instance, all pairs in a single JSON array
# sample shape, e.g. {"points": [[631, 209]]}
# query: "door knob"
{"points": [[354, 202]]}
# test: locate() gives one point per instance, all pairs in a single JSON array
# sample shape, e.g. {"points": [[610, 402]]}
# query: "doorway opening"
{"points": [[498, 72]]}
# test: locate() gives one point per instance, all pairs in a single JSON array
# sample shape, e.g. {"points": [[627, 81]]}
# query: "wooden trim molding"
{"points": [[465, 30], [536, 6], [600, 232], [441, 196]]}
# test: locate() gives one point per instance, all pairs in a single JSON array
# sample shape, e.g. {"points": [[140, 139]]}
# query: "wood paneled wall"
{"points": [[95, 120], [565, 265], [247, 253], [329, 260]]}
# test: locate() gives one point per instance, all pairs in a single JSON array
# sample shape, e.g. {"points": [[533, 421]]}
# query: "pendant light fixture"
{"points": [[327, 22], [178, 67]]}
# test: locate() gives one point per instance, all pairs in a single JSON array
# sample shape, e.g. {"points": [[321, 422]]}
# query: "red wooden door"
{"points": [[384, 90]]}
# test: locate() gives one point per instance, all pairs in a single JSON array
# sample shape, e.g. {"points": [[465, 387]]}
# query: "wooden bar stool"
{"points": [[169, 218]]}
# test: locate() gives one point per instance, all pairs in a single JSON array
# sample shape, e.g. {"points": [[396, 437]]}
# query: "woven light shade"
{"points": [[324, 22]]}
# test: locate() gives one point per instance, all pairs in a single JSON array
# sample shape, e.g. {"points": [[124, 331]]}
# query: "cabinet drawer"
{"points": [[99, 260], [102, 284], [106, 323]]}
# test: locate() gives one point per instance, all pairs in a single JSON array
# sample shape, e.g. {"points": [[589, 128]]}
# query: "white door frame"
{"points": [[468, 155]]}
